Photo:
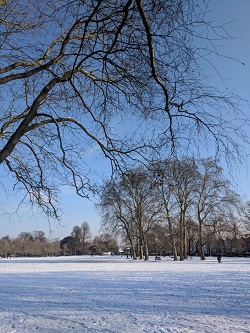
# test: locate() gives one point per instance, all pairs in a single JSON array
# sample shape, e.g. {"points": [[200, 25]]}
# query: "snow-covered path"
{"points": [[104, 294]]}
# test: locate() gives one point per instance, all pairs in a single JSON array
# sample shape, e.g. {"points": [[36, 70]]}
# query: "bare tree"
{"points": [[116, 215], [85, 236], [82, 236], [184, 185], [39, 235], [215, 200], [176, 180], [163, 182], [26, 236], [77, 235], [142, 198], [85, 76], [132, 203]]}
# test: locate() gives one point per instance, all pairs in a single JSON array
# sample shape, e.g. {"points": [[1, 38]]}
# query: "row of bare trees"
{"points": [[35, 244], [29, 244], [182, 204]]}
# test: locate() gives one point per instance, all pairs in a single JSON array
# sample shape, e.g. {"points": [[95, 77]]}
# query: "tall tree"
{"points": [[123, 78], [133, 201], [85, 236], [184, 186], [214, 202], [77, 234], [163, 179], [39, 235], [116, 214], [176, 180]]}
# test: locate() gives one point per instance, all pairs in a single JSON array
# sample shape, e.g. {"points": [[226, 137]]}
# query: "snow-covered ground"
{"points": [[114, 294]]}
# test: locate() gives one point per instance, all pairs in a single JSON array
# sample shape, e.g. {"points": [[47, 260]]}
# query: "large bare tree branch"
{"points": [[122, 79]]}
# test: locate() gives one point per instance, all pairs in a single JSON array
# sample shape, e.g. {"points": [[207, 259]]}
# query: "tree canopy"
{"points": [[123, 80]]}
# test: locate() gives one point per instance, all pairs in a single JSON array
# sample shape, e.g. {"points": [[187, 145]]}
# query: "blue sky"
{"points": [[236, 75], [237, 78]]}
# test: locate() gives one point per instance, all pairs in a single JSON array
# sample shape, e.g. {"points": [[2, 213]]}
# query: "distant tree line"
{"points": [[181, 207], [29, 244], [35, 244]]}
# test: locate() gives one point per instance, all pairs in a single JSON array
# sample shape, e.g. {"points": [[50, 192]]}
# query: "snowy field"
{"points": [[114, 294]]}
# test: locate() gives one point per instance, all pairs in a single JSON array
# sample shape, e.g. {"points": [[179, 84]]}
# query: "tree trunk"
{"points": [[174, 250], [133, 251], [146, 254], [131, 244], [184, 239], [141, 250], [181, 240], [201, 249]]}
